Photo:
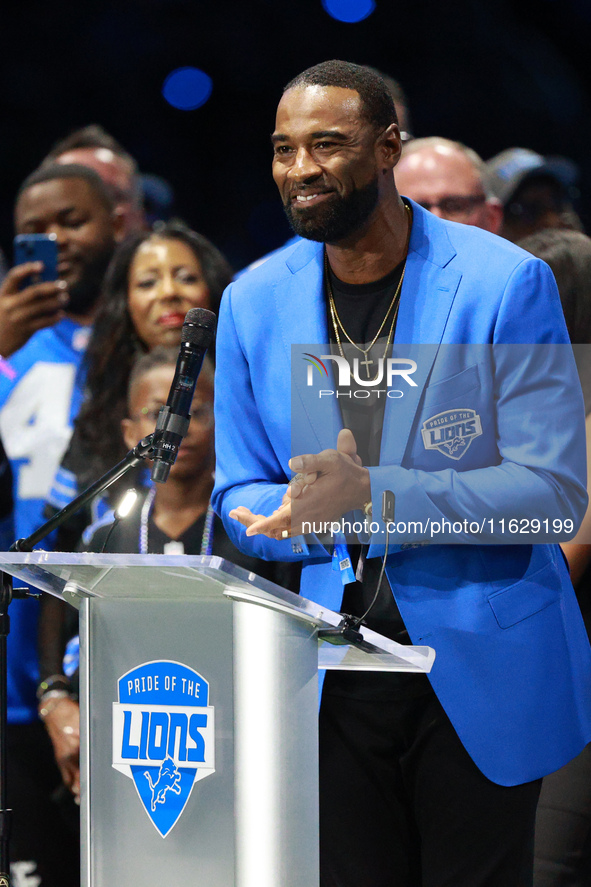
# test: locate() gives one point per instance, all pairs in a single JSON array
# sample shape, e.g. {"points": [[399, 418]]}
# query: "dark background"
{"points": [[491, 73]]}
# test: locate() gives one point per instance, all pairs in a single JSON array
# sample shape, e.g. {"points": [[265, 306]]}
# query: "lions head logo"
{"points": [[163, 736], [169, 780]]}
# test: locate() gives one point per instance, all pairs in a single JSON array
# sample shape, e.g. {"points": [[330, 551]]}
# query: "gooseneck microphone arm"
{"points": [[143, 450]]}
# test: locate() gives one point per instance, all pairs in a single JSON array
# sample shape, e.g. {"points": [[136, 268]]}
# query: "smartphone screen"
{"points": [[37, 248]]}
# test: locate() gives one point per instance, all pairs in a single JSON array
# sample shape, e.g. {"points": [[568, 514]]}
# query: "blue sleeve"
{"points": [[247, 468]]}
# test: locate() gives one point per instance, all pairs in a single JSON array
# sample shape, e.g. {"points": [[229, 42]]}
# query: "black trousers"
{"points": [[563, 826], [403, 805]]}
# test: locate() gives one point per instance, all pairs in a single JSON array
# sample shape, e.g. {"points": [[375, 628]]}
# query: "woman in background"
{"points": [[153, 280]]}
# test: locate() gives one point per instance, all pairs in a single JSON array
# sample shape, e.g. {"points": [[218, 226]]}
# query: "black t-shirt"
{"points": [[361, 308]]}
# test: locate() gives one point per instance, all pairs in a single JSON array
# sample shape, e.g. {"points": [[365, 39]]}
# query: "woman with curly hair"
{"points": [[153, 280]]}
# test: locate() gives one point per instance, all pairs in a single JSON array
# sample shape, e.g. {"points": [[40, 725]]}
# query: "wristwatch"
{"points": [[54, 682]]}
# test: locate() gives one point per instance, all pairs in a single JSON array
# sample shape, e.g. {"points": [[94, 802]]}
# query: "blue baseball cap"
{"points": [[509, 169]]}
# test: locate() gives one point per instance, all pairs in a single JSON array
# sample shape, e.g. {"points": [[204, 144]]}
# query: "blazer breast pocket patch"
{"points": [[451, 432]]}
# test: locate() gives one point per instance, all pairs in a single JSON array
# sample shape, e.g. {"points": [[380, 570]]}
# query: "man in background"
{"points": [[536, 192], [94, 147], [451, 181]]}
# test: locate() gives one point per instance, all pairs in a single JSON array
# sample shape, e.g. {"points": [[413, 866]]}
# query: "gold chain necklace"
{"points": [[394, 305], [366, 363]]}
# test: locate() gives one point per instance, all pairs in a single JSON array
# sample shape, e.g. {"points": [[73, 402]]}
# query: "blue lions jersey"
{"points": [[41, 390]]}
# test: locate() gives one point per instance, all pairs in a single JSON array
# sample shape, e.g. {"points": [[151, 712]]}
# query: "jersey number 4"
{"points": [[35, 426]]}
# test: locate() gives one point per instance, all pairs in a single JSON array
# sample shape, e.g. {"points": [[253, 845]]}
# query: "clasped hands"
{"points": [[326, 486]]}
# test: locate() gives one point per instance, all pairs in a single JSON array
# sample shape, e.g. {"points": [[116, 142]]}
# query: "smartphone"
{"points": [[37, 248]]}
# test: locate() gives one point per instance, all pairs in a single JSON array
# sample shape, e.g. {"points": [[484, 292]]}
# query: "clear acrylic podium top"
{"points": [[181, 577]]}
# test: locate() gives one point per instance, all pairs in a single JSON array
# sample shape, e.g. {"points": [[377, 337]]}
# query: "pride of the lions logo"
{"points": [[451, 432], [163, 736]]}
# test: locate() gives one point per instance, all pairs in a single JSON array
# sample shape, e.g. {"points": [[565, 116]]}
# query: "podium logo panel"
{"points": [[163, 736]]}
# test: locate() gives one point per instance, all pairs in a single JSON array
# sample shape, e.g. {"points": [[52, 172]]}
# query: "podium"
{"points": [[199, 717]]}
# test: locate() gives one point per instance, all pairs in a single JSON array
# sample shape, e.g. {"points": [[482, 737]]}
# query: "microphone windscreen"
{"points": [[199, 327]]}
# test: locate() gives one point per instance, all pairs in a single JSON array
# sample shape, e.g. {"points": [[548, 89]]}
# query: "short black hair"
{"points": [[92, 136], [377, 104], [70, 171], [398, 94]]}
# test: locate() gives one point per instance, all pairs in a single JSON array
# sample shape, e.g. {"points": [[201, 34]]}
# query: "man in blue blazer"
{"points": [[482, 429]]}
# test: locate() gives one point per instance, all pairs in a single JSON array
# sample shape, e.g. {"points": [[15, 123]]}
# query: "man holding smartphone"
{"points": [[44, 328], [28, 302], [44, 324]]}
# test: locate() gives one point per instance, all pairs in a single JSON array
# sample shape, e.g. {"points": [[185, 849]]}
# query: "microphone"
{"points": [[173, 420]]}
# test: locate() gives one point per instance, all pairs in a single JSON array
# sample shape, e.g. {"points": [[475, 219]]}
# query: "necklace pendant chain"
{"points": [[366, 363], [392, 308]]}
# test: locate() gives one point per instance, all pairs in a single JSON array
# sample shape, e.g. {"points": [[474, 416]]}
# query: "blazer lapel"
{"points": [[302, 313], [428, 291]]}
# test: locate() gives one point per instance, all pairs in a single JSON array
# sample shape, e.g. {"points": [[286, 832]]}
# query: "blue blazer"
{"points": [[513, 663]]}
